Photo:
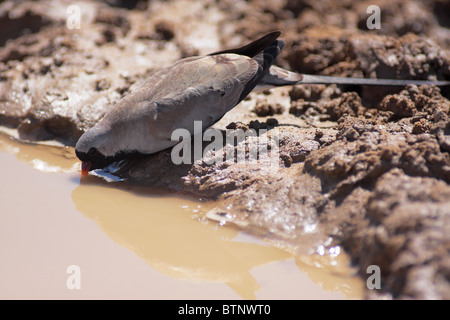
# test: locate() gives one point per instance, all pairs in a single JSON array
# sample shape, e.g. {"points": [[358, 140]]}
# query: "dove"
{"points": [[198, 88]]}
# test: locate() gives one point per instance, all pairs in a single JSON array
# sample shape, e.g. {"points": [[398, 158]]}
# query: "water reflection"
{"points": [[45, 158], [172, 241], [168, 232]]}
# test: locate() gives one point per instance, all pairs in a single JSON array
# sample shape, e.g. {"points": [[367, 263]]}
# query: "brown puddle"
{"points": [[171, 252]]}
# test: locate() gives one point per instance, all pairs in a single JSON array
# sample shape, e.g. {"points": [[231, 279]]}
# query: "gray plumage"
{"points": [[201, 88]]}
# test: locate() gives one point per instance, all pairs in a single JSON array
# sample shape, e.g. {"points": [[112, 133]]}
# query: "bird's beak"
{"points": [[85, 166]]}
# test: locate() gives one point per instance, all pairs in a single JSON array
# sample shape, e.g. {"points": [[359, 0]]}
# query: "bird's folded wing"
{"points": [[201, 89]]}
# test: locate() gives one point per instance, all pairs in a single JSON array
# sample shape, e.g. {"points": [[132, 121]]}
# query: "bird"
{"points": [[197, 88]]}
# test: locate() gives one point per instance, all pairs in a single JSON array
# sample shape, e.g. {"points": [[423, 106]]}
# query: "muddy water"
{"points": [[62, 238]]}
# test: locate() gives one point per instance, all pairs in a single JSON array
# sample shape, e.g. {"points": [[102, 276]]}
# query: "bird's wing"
{"points": [[219, 83], [193, 89], [198, 89], [278, 77]]}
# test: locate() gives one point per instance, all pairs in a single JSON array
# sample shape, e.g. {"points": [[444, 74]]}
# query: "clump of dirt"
{"points": [[349, 103], [407, 235], [16, 22], [368, 168], [264, 109], [398, 17]]}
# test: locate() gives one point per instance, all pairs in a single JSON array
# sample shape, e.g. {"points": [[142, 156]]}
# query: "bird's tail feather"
{"points": [[264, 51], [265, 59], [281, 77], [253, 48]]}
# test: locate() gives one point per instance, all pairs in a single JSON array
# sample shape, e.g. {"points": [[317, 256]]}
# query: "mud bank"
{"points": [[367, 169]]}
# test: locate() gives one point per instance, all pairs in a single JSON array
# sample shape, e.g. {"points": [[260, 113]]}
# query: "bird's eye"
{"points": [[92, 151]]}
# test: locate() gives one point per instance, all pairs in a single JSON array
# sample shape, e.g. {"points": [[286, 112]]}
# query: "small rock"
{"points": [[264, 109], [102, 84], [164, 30]]}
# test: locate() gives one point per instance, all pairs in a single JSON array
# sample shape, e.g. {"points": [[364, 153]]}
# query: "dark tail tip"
{"points": [[255, 47]]}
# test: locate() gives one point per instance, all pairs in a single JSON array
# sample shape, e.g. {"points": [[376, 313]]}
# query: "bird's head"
{"points": [[105, 144], [93, 150]]}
